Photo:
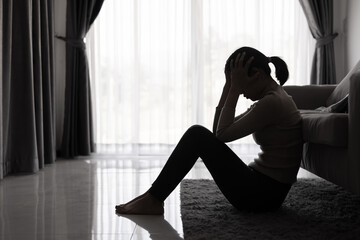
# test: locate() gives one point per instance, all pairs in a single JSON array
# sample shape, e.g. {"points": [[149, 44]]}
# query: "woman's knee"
{"points": [[198, 130]]}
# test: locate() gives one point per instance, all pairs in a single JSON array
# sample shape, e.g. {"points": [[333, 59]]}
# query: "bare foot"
{"points": [[145, 204], [140, 196]]}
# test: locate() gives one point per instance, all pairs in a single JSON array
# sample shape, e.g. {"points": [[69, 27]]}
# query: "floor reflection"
{"points": [[75, 199], [156, 226], [55, 203], [118, 181]]}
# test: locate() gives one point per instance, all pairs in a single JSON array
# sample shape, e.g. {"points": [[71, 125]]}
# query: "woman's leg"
{"points": [[242, 186], [224, 165], [178, 165], [238, 182]]}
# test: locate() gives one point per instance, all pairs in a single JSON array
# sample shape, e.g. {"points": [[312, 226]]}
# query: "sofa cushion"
{"points": [[325, 127], [343, 87], [338, 107]]}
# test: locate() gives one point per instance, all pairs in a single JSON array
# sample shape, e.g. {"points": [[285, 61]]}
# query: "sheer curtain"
{"points": [[157, 66]]}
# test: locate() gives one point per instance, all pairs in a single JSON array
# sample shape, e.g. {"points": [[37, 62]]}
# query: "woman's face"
{"points": [[254, 89]]}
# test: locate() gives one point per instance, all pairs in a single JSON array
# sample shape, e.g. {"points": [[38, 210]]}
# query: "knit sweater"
{"points": [[275, 124]]}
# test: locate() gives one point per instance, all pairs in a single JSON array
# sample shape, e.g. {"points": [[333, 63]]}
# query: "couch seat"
{"points": [[325, 128]]}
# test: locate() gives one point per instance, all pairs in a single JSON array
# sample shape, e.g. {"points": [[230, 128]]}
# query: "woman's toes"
{"points": [[119, 206]]}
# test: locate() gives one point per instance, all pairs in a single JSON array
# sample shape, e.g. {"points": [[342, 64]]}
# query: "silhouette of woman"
{"points": [[275, 124]]}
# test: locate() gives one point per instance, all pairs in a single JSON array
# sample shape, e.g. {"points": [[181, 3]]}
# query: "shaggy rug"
{"points": [[313, 209]]}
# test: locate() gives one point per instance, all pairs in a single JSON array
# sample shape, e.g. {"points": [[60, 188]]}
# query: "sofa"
{"points": [[331, 129]]}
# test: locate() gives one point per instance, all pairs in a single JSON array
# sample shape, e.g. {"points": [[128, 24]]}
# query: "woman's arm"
{"points": [[224, 95], [220, 105], [265, 112], [234, 85], [226, 118], [228, 107], [222, 100]]}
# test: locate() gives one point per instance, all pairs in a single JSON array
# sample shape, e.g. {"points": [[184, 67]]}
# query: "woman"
{"points": [[275, 124]]}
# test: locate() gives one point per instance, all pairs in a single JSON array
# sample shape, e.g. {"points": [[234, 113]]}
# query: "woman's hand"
{"points": [[239, 73]]}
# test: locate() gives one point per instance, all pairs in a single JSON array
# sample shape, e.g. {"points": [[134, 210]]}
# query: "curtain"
{"points": [[319, 15], [78, 128], [158, 66], [28, 120]]}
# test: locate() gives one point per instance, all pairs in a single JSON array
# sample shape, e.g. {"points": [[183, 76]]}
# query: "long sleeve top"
{"points": [[275, 124]]}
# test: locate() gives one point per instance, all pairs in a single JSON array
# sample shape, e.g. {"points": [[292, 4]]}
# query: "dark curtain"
{"points": [[319, 15], [28, 110], [78, 130]]}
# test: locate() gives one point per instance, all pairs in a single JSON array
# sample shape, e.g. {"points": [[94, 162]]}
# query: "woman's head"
{"points": [[260, 61]]}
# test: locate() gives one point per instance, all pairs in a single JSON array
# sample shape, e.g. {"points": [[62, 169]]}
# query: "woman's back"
{"points": [[281, 140]]}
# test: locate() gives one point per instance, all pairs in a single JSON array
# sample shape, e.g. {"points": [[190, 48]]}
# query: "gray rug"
{"points": [[313, 209]]}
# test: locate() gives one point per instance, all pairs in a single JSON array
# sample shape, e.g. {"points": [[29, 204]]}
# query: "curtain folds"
{"points": [[319, 15], [78, 129], [28, 114]]}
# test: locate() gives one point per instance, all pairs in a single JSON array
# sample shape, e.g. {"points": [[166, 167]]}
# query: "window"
{"points": [[157, 66]]}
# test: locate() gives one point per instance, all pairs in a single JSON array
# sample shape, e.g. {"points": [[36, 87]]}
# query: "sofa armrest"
{"points": [[309, 96], [354, 133]]}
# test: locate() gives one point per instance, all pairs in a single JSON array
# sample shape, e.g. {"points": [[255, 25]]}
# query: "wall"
{"points": [[1, 80], [346, 24], [60, 66], [339, 26], [352, 34]]}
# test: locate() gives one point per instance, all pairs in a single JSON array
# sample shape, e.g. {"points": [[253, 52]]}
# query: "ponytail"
{"points": [[281, 70]]}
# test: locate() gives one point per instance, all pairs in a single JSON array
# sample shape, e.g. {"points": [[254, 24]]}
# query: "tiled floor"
{"points": [[75, 199]]}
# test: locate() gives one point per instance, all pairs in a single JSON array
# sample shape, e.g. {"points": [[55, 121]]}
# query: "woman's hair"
{"points": [[262, 62]]}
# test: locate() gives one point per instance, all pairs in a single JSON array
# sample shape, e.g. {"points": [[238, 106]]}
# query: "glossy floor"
{"points": [[75, 199]]}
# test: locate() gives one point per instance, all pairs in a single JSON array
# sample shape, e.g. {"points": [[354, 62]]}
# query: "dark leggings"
{"points": [[243, 187]]}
